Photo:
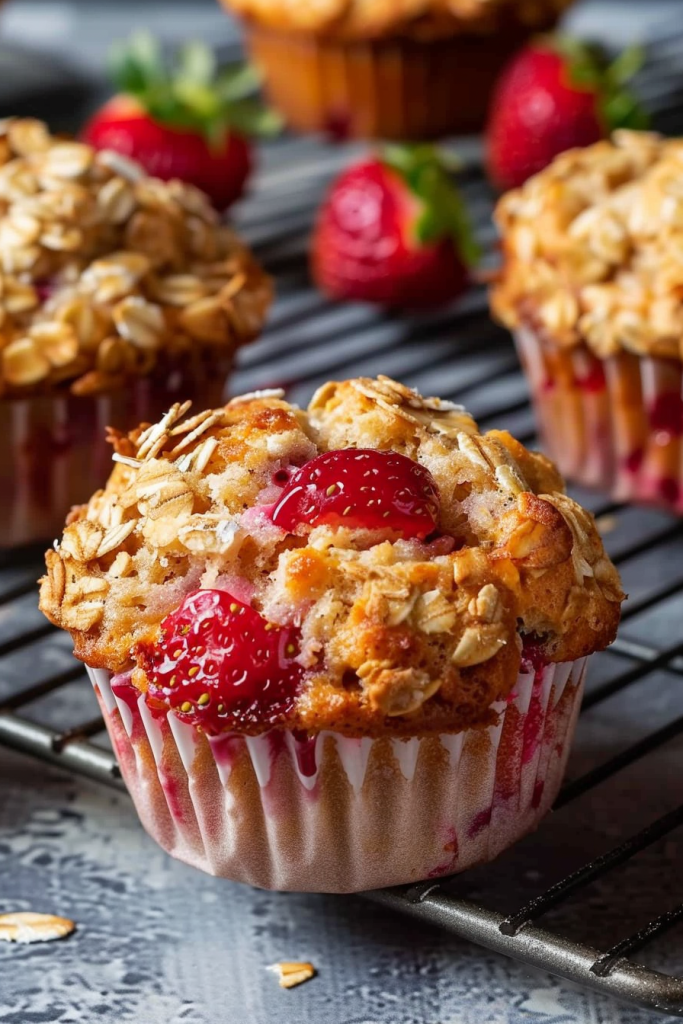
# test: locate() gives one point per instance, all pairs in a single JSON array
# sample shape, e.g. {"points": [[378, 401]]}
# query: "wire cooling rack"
{"points": [[600, 882]]}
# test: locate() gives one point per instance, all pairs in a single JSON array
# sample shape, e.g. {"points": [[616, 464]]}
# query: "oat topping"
{"points": [[104, 272], [394, 631], [593, 248], [425, 18]]}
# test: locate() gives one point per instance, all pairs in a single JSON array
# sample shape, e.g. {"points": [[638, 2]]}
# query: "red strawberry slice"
{"points": [[363, 489], [556, 94], [182, 118], [394, 231], [219, 664]]}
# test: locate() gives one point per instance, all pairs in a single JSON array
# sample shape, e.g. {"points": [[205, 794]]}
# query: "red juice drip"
{"points": [[304, 748], [670, 490], [123, 690], [594, 380], [666, 413], [634, 461]]}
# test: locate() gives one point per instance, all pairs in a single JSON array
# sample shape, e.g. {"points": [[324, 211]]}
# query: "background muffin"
{"points": [[413, 69], [340, 648], [591, 285], [118, 293]]}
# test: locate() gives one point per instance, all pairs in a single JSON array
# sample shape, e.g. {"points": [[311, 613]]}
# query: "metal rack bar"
{"points": [[589, 872], [539, 948]]}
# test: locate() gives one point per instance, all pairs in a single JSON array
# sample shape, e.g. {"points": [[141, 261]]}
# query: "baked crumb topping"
{"points": [[421, 18], [397, 635], [593, 248], [105, 272]]}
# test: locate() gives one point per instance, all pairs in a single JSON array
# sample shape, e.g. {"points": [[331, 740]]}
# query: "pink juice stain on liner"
{"points": [[481, 821], [226, 748], [533, 721], [172, 794]]}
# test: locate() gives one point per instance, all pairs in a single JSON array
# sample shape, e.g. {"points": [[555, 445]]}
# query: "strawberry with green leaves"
{"points": [[557, 94], [183, 118], [393, 231]]}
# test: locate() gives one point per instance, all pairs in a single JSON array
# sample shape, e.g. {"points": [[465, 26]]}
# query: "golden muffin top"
{"points": [[358, 19], [593, 248], [105, 272], [399, 630]]}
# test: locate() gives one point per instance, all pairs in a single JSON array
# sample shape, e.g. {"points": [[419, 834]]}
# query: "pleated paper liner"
{"points": [[333, 814], [614, 424], [393, 88]]}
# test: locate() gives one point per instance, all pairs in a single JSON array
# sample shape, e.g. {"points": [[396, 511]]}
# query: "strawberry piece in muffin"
{"points": [[361, 488], [217, 662]]}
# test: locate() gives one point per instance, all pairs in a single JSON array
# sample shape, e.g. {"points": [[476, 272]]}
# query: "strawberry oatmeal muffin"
{"points": [[337, 648], [591, 285], [117, 294], [411, 69]]}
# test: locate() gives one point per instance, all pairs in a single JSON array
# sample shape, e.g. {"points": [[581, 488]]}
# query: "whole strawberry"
{"points": [[182, 119], [557, 94], [394, 231]]}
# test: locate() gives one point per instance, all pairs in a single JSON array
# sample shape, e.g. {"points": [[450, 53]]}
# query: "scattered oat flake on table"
{"points": [[28, 927], [292, 973]]}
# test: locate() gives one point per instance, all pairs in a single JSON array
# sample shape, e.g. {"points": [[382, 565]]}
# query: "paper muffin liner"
{"points": [[615, 424], [333, 814], [54, 452], [392, 88]]}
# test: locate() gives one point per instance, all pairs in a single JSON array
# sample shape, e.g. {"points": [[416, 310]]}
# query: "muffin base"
{"points": [[393, 88], [333, 814], [613, 424], [55, 455]]}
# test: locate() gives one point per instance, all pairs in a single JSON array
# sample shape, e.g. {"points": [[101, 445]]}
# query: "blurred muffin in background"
{"points": [[119, 292], [411, 69], [591, 285]]}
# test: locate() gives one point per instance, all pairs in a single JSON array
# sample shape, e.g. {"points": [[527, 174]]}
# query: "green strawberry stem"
{"points": [[590, 67], [426, 173], [189, 91]]}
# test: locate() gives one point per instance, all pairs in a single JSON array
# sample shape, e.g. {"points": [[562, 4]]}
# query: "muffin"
{"points": [[592, 286], [338, 648], [413, 69], [118, 293]]}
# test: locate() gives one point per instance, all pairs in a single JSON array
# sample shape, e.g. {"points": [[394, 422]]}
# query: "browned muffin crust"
{"points": [[417, 19], [397, 636], [593, 248], [107, 274]]}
